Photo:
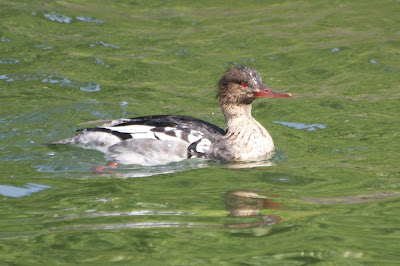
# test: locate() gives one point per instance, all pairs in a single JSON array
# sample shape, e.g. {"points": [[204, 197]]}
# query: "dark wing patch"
{"points": [[192, 151], [184, 123]]}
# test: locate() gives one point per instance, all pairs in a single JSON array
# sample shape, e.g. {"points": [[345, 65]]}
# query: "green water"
{"points": [[331, 198]]}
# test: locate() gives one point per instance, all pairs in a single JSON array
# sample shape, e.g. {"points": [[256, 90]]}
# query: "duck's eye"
{"points": [[244, 84]]}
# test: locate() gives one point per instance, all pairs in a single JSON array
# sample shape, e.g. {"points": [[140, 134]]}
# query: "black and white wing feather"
{"points": [[164, 127], [193, 137]]}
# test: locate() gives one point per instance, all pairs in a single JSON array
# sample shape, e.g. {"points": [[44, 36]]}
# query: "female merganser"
{"points": [[160, 139]]}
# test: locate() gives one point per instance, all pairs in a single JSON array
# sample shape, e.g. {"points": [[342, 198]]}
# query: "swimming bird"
{"points": [[161, 139]]}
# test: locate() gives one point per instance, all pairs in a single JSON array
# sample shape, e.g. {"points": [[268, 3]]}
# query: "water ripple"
{"points": [[8, 61], [131, 213], [18, 192], [89, 19], [311, 127], [53, 16]]}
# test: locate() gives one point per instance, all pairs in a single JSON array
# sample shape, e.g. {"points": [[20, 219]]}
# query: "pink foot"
{"points": [[100, 170]]}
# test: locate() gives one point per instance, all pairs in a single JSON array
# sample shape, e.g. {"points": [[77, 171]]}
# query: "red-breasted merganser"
{"points": [[161, 139]]}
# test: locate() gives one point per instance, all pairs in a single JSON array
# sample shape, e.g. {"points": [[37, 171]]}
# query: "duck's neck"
{"points": [[246, 138], [235, 115]]}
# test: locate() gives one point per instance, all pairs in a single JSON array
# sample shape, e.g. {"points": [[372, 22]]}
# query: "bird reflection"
{"points": [[248, 203]]}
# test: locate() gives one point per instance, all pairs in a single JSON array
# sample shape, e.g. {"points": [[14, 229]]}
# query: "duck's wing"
{"points": [[164, 127], [158, 127]]}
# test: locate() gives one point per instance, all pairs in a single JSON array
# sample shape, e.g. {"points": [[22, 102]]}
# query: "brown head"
{"points": [[241, 85]]}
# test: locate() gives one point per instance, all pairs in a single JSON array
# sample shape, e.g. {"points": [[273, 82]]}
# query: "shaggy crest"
{"points": [[238, 84]]}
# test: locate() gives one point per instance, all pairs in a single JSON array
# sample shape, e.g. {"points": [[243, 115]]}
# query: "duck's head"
{"points": [[241, 85]]}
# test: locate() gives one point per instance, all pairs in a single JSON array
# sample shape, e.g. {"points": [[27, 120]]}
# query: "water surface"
{"points": [[330, 195]]}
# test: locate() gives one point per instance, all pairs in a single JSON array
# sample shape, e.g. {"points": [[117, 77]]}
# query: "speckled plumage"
{"points": [[160, 139]]}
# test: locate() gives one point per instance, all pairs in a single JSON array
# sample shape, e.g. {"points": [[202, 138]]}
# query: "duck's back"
{"points": [[165, 126], [148, 140]]}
